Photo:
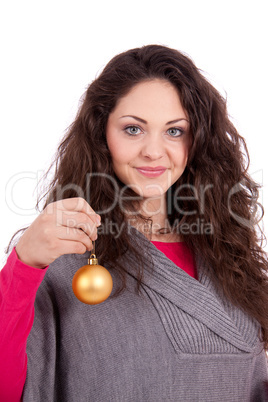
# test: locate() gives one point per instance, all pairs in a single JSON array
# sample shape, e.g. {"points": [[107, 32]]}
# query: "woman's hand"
{"points": [[64, 227]]}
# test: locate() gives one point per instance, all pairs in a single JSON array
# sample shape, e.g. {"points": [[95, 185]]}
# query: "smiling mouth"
{"points": [[152, 172]]}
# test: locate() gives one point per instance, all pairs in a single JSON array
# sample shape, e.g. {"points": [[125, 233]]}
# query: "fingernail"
{"points": [[98, 220]]}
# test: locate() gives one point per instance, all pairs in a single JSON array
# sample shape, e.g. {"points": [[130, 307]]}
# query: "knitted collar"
{"points": [[171, 287]]}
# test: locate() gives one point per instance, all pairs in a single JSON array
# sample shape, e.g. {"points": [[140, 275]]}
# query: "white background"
{"points": [[51, 51]]}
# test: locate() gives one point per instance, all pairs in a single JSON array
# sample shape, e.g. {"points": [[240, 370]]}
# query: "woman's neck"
{"points": [[157, 228]]}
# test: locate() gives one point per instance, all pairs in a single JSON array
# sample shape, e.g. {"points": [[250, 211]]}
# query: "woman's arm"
{"points": [[56, 231], [18, 286]]}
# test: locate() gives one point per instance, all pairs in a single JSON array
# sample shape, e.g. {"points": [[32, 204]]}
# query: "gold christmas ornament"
{"points": [[92, 283]]}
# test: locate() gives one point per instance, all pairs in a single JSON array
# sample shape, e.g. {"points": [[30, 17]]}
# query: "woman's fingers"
{"points": [[77, 235], [74, 205], [73, 247], [64, 227], [78, 220]]}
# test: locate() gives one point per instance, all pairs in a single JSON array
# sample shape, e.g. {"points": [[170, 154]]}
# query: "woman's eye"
{"points": [[132, 130], [175, 132]]}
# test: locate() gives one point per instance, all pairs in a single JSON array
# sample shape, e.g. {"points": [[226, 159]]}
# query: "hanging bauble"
{"points": [[92, 283]]}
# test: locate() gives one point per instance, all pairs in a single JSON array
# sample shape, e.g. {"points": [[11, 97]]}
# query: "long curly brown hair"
{"points": [[214, 189]]}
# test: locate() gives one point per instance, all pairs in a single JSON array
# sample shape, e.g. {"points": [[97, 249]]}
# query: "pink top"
{"points": [[18, 286], [180, 254]]}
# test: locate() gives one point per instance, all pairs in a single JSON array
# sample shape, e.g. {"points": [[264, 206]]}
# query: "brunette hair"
{"points": [[216, 173]]}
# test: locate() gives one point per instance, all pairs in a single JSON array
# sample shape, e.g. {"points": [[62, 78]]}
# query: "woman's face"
{"points": [[148, 138]]}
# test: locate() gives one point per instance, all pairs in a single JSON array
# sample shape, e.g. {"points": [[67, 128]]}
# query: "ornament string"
{"points": [[93, 250]]}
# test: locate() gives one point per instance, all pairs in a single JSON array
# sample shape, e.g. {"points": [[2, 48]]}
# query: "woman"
{"points": [[153, 169]]}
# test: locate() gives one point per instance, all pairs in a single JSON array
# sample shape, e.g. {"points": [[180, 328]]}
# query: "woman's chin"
{"points": [[152, 194]]}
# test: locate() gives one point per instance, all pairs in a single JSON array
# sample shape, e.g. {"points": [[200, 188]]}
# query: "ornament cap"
{"points": [[93, 260]]}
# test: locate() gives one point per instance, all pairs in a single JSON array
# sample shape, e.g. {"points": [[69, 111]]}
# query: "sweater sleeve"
{"points": [[18, 286]]}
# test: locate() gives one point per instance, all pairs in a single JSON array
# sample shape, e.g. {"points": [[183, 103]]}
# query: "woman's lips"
{"points": [[151, 172]]}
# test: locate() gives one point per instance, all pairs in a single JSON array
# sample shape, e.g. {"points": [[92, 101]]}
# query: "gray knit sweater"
{"points": [[178, 340]]}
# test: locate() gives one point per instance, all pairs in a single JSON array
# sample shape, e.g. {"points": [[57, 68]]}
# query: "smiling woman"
{"points": [[153, 169], [154, 149]]}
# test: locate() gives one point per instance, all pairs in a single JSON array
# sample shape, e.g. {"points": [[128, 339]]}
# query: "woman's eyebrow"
{"points": [[136, 118], [176, 121], [145, 122]]}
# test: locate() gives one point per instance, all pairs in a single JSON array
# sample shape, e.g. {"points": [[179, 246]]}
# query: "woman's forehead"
{"points": [[149, 96]]}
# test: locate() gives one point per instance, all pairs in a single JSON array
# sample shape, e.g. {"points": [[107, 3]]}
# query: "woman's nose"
{"points": [[153, 148]]}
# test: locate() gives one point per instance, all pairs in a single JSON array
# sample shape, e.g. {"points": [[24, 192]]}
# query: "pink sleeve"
{"points": [[18, 286]]}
